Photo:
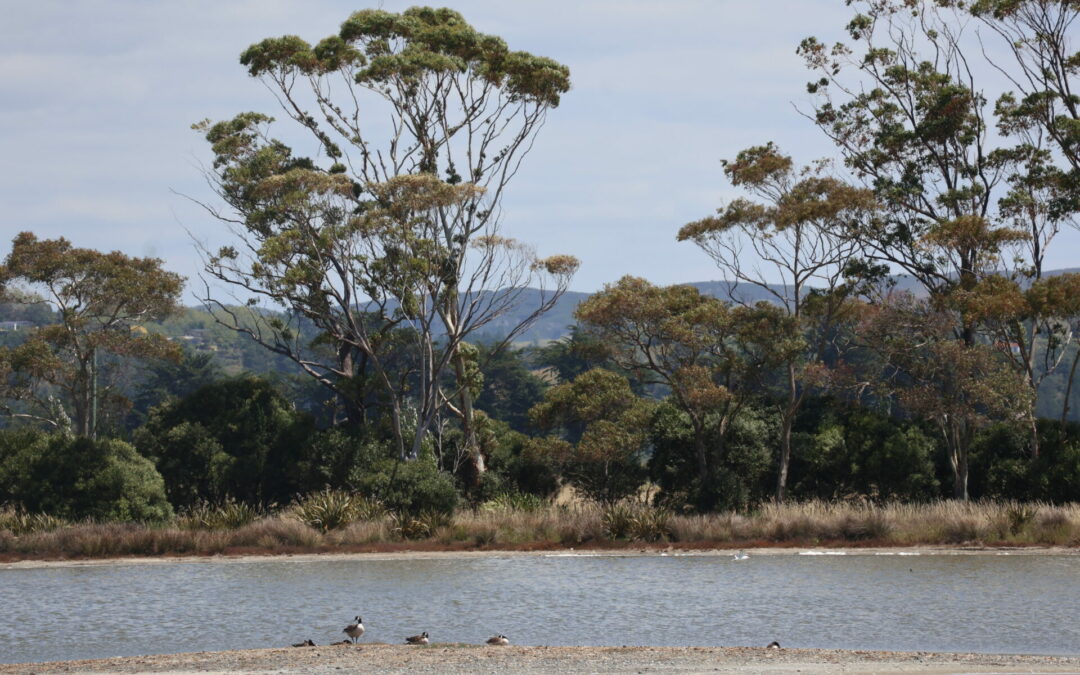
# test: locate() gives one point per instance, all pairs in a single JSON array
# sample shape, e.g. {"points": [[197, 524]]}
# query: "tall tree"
{"points": [[959, 388], [1042, 116], [602, 433], [798, 254], [912, 125], [713, 357], [101, 300], [393, 101]]}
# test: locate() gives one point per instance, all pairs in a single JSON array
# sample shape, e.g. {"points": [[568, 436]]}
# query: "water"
{"points": [[985, 603]]}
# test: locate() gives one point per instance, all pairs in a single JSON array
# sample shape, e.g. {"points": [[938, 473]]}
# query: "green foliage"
{"points": [[19, 522], [512, 466], [409, 488], [638, 522], [77, 478], [101, 300], [739, 476], [509, 388], [515, 502], [602, 434], [228, 515], [1004, 469], [237, 438], [334, 509]]}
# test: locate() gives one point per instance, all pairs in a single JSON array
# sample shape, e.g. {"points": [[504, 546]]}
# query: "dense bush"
{"points": [[238, 438], [78, 478], [741, 464], [1003, 468], [408, 487], [861, 452]]}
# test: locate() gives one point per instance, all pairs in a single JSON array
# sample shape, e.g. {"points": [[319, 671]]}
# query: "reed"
{"points": [[502, 525]]}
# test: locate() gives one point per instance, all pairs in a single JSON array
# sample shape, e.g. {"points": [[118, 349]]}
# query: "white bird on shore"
{"points": [[741, 555], [355, 629]]}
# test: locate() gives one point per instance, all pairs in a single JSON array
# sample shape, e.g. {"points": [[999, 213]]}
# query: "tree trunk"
{"points": [[473, 452], [785, 456], [1068, 393], [960, 479], [958, 461], [787, 423]]}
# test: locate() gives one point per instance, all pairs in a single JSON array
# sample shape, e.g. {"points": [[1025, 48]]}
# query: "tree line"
{"points": [[372, 258]]}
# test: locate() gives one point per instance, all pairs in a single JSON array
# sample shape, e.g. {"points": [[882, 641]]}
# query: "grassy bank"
{"points": [[237, 529]]}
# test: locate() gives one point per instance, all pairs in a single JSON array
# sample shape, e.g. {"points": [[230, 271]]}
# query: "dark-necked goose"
{"points": [[355, 629], [498, 640], [421, 639]]}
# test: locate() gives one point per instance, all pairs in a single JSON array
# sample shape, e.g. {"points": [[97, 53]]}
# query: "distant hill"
{"points": [[555, 324]]}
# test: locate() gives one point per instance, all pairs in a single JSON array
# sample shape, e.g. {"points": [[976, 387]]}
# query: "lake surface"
{"points": [[982, 603]]}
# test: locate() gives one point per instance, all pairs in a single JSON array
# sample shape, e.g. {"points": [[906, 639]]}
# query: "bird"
{"points": [[421, 639], [354, 629], [306, 643], [741, 555], [773, 645], [498, 640], [340, 643]]}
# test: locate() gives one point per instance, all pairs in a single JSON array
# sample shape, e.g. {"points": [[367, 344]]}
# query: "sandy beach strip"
{"points": [[447, 658], [556, 553]]}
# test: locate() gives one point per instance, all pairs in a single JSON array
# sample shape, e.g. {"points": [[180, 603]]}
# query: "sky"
{"points": [[97, 98]]}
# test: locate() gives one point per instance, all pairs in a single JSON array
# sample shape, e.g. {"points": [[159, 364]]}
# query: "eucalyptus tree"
{"points": [[102, 300], [419, 123], [598, 433], [712, 356], [1041, 114], [798, 253], [905, 110], [957, 387]]}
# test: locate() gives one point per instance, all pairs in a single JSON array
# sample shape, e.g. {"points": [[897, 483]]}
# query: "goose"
{"points": [[340, 643], [498, 640], [421, 639], [773, 645], [354, 629], [306, 643], [741, 555]]}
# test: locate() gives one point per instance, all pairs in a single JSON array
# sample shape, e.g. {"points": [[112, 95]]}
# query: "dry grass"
{"points": [[503, 526]]}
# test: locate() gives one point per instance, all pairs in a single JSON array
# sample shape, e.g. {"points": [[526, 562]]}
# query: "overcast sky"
{"points": [[97, 98]]}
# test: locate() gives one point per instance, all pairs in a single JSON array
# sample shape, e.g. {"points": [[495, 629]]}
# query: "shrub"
{"points": [[77, 478], [409, 487], [237, 437], [19, 522], [229, 515], [334, 509]]}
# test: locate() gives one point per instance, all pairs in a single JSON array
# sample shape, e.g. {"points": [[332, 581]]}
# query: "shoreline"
{"points": [[473, 658], [637, 551]]}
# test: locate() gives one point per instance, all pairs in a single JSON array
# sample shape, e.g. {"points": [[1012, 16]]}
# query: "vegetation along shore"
{"points": [[893, 365], [329, 522]]}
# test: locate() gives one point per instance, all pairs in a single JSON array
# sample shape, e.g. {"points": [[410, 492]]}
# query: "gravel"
{"points": [[443, 658]]}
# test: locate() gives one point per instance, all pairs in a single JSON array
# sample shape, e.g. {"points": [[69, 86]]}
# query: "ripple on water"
{"points": [[941, 603]]}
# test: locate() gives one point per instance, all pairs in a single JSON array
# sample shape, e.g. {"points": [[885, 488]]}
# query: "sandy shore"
{"points": [[402, 555], [482, 659]]}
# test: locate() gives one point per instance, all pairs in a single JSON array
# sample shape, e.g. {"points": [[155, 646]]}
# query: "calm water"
{"points": [[955, 603]]}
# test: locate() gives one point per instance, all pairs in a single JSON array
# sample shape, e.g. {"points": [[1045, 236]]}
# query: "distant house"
{"points": [[1012, 347], [11, 326]]}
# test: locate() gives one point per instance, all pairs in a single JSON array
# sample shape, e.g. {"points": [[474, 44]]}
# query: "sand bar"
{"points": [[446, 658]]}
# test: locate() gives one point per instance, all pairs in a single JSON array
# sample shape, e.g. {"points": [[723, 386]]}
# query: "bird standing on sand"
{"points": [[421, 639], [355, 629], [501, 640]]}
